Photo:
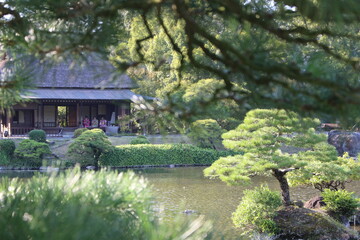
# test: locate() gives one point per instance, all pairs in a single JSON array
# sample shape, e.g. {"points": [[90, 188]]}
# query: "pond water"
{"points": [[180, 189]]}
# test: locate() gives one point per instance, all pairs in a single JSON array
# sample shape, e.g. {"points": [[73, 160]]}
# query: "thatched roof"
{"points": [[88, 73]]}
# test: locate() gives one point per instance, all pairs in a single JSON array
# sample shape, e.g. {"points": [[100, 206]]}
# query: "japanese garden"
{"points": [[174, 119]]}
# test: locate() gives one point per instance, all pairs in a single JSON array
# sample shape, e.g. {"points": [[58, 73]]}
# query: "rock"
{"points": [[90, 167], [298, 204], [345, 142], [187, 211], [315, 202], [303, 223]]}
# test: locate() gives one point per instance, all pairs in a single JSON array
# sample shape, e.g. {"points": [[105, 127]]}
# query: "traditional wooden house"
{"points": [[65, 93]]}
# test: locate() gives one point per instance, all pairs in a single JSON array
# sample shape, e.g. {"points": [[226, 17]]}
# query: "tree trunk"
{"points": [[285, 193]]}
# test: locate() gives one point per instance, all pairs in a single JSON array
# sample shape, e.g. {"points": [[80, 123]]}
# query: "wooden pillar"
{"points": [[56, 116], [8, 120], [81, 112], [41, 115], [38, 117], [77, 113]]}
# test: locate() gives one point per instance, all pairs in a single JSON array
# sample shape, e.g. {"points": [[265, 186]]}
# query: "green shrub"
{"points": [[30, 153], [7, 146], [99, 205], [206, 133], [79, 131], [140, 140], [4, 159], [341, 202], [88, 147], [162, 154], [37, 135], [257, 209]]}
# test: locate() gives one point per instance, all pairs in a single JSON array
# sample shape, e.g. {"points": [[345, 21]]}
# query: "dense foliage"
{"points": [[264, 137], [139, 140], [340, 203], [324, 170], [37, 135], [206, 133], [88, 147], [300, 55], [166, 154], [256, 210], [4, 159], [7, 146], [30, 153], [79, 131], [89, 205]]}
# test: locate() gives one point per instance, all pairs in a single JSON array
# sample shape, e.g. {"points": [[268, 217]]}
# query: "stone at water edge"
{"points": [[317, 204], [345, 142], [314, 203], [303, 223], [189, 211]]}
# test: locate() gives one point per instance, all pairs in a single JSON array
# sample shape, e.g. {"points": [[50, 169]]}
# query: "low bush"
{"points": [[162, 154], [79, 131], [340, 203], [257, 209], [88, 147], [37, 135], [140, 140], [4, 159], [30, 153], [7, 146], [99, 205]]}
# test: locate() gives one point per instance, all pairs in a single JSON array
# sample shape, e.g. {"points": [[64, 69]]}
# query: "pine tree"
{"points": [[281, 143]]}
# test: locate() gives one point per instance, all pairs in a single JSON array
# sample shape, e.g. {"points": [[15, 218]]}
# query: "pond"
{"points": [[180, 189]]}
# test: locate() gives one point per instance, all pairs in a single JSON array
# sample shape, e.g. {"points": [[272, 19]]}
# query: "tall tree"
{"points": [[300, 55]]}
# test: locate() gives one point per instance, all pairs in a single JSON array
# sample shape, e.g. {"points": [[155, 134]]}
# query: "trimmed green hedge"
{"points": [[7, 146], [30, 153], [37, 135], [165, 154]]}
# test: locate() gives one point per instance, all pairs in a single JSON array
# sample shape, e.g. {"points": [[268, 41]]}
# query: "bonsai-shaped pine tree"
{"points": [[325, 171], [275, 143]]}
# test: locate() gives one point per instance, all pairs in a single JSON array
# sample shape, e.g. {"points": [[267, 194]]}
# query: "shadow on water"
{"points": [[186, 191], [17, 173]]}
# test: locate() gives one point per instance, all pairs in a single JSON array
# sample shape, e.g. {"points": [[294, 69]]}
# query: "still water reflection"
{"points": [[180, 189]]}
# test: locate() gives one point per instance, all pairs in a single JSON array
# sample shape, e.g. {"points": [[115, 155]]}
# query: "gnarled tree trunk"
{"points": [[285, 193]]}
